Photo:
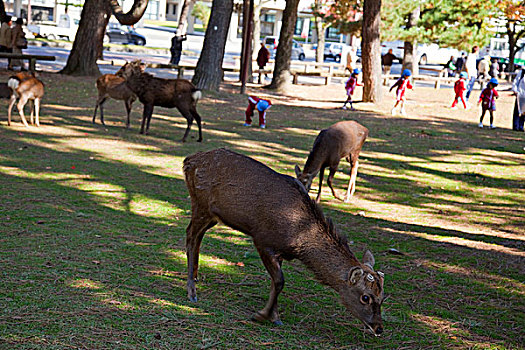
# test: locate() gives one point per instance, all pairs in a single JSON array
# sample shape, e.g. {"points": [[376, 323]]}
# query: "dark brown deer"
{"points": [[25, 87], [169, 93], [111, 86], [285, 224], [341, 140]]}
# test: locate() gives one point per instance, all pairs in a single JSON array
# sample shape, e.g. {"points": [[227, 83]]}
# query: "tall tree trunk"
{"points": [[371, 51], [87, 47], [257, 27], [209, 73], [511, 33], [281, 72], [319, 29], [183, 20], [410, 56], [3, 15]]}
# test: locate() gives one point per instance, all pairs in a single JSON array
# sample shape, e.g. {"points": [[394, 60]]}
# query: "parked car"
{"points": [[117, 33], [333, 51], [426, 53], [271, 42]]}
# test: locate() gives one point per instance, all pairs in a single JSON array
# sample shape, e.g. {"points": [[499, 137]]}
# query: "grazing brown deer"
{"points": [[25, 87], [341, 140], [169, 93], [284, 223], [111, 86]]}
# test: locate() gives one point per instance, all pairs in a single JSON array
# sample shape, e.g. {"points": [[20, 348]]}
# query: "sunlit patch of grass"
{"points": [[85, 283]]}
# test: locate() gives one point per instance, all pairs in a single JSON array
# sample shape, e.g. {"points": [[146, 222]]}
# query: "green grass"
{"points": [[92, 237]]}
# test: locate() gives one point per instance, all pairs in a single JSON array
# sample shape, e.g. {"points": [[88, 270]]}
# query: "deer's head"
{"points": [[131, 68], [304, 178], [362, 294]]}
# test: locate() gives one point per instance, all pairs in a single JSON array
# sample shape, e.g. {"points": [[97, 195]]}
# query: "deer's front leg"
{"points": [[272, 263]]}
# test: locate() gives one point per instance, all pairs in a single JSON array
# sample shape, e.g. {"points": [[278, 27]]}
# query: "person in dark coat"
{"points": [[176, 48], [263, 56]]}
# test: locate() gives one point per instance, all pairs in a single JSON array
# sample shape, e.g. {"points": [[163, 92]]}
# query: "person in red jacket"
{"points": [[460, 86], [350, 87], [262, 106], [402, 84], [487, 99]]}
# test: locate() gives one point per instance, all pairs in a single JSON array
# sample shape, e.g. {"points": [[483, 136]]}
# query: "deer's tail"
{"points": [[196, 95], [13, 83]]}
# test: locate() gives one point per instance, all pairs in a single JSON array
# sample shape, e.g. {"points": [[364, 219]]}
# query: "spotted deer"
{"points": [[111, 86], [341, 140], [169, 93], [284, 223], [25, 87]]}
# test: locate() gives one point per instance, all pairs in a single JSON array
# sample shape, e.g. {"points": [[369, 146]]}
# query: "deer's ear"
{"points": [[355, 274], [368, 259], [297, 171]]}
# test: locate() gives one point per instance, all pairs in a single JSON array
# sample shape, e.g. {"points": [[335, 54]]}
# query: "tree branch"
{"points": [[134, 14]]}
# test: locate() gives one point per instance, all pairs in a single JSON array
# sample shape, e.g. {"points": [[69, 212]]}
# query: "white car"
{"points": [[426, 53], [271, 43], [333, 51]]}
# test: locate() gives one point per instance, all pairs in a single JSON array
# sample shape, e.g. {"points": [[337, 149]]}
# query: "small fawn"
{"points": [[25, 87], [111, 86]]}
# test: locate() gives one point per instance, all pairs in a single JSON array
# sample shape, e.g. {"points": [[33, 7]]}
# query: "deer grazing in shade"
{"points": [[25, 87], [343, 139], [111, 86], [169, 93], [284, 223]]}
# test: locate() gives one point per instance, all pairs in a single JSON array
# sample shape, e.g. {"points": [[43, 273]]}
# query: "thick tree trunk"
{"points": [[209, 73], [281, 73], [94, 19], [87, 46], [2, 10], [371, 51], [410, 57], [183, 20], [319, 28], [511, 33], [410, 60]]}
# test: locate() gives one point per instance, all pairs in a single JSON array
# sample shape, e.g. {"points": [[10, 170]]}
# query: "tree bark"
{"points": [[3, 15], [87, 47], [371, 51], [209, 73], [319, 29], [410, 60], [183, 20], [281, 73]]}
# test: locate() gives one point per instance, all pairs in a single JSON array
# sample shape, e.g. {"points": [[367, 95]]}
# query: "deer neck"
{"points": [[313, 163], [329, 261]]}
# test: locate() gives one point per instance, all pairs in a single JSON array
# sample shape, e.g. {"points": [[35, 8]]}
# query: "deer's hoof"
{"points": [[193, 299], [278, 323], [199, 140], [258, 317]]}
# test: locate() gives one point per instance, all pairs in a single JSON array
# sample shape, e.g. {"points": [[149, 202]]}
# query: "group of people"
{"points": [[463, 87], [13, 40]]}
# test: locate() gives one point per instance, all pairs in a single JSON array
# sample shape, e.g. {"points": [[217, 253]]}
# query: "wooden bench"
{"points": [[30, 58], [179, 68]]}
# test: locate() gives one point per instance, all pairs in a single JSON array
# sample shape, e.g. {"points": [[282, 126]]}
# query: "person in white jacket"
{"points": [[518, 88], [471, 69]]}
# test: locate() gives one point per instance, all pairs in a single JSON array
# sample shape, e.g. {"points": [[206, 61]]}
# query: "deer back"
{"points": [[114, 87], [26, 85], [250, 197]]}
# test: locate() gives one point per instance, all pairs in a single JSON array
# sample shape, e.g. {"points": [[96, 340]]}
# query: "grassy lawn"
{"points": [[92, 236]]}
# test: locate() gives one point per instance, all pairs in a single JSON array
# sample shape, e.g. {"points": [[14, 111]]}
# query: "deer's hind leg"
{"points": [[21, 104], [353, 177], [37, 111], [273, 263], [331, 175], [199, 224]]}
